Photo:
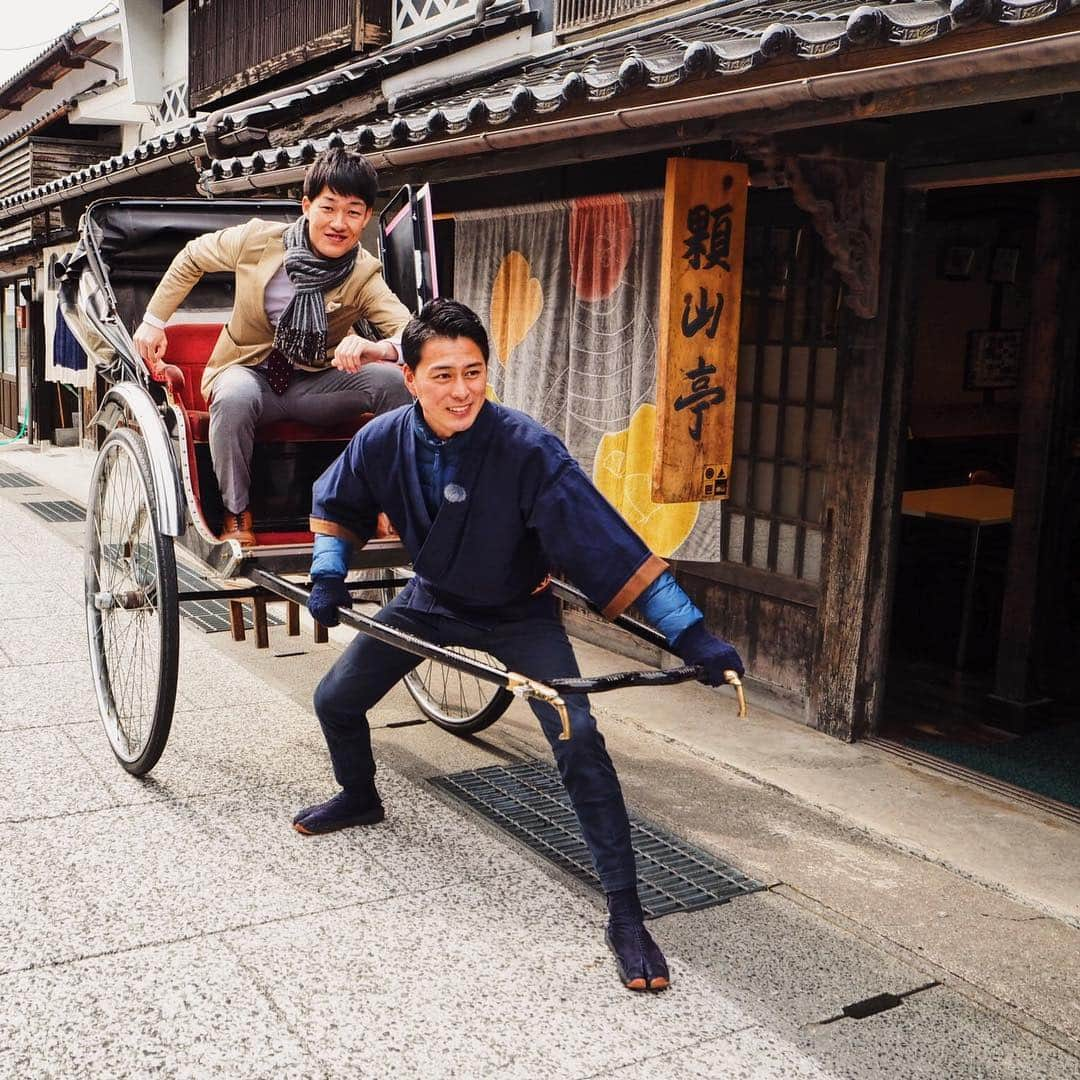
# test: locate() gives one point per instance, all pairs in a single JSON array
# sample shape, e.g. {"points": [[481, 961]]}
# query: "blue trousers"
{"points": [[537, 647]]}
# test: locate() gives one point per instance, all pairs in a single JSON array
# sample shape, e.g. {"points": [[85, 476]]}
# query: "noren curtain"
{"points": [[570, 293]]}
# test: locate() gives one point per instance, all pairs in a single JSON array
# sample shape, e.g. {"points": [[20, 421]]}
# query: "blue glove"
{"points": [[327, 595], [696, 645]]}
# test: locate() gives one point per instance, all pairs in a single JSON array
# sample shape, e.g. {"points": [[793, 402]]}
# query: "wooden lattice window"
{"points": [[786, 399]]}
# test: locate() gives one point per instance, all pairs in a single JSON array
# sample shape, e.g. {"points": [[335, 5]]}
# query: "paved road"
{"points": [[178, 927]]}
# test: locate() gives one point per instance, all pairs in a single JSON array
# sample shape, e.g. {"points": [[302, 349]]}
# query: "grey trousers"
{"points": [[241, 400]]}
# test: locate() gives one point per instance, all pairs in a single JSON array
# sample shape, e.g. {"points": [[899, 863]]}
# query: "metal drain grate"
{"points": [[211, 616], [57, 510], [17, 479], [529, 802]]}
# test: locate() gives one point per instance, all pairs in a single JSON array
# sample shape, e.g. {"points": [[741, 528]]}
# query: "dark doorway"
{"points": [[978, 301], [10, 402]]}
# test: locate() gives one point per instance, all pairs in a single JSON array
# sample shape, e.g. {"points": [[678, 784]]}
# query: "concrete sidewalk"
{"points": [[177, 926]]}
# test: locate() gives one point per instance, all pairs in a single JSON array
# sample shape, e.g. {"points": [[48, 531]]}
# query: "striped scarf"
{"points": [[301, 330]]}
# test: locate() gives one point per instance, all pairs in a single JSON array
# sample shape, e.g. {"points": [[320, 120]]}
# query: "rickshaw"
{"points": [[153, 491]]}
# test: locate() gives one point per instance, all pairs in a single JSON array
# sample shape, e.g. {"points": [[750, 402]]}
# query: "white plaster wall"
{"points": [[133, 134], [141, 23], [517, 43], [175, 55]]}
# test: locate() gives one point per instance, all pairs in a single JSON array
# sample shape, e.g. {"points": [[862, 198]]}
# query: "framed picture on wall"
{"points": [[1003, 263], [993, 359], [957, 262]]}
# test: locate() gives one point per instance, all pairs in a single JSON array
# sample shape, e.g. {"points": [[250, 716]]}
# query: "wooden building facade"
{"points": [[902, 329]]}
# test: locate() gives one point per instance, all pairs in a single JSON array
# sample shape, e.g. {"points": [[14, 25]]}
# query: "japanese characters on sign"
{"points": [[701, 296]]}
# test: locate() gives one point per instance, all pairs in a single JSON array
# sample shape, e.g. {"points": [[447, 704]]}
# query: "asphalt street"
{"points": [[177, 925]]}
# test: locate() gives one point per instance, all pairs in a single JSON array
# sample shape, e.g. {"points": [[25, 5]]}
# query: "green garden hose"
{"points": [[22, 426]]}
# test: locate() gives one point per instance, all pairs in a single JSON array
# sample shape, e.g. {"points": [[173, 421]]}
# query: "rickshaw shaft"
{"points": [[516, 684], [259, 592]]}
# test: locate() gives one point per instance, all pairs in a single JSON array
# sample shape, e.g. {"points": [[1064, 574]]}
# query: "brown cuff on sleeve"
{"points": [[639, 581], [332, 528]]}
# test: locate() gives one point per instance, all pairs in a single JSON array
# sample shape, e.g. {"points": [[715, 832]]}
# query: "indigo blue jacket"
{"points": [[516, 507]]}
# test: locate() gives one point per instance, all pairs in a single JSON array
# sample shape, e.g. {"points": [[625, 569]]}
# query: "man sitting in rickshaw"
{"points": [[288, 351], [487, 501]]}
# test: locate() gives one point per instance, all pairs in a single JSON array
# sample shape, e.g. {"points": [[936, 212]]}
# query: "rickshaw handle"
{"points": [[572, 595], [599, 684]]}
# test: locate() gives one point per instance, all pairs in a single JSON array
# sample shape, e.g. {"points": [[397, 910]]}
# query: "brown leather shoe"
{"points": [[239, 527]]}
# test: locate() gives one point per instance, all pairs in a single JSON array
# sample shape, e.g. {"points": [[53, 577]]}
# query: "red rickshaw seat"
{"points": [[190, 346]]}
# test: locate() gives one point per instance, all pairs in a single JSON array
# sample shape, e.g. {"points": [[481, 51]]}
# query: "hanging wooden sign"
{"points": [[701, 272]]}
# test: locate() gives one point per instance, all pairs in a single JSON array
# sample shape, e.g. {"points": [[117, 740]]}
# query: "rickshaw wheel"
{"points": [[458, 703], [132, 614]]}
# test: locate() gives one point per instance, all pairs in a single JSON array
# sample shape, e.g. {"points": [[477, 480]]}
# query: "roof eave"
{"points": [[60, 191], [81, 34], [1048, 63]]}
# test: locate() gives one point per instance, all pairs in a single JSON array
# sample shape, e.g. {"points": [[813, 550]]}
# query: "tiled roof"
{"points": [[55, 113], [346, 82], [722, 40], [334, 86], [188, 138]]}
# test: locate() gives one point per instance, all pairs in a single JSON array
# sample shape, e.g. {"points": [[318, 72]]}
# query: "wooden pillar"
{"points": [[258, 617], [41, 425], [236, 620], [1018, 636], [293, 609], [885, 527], [835, 696]]}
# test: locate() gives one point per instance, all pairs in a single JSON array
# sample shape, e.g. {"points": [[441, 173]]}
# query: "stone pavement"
{"points": [[176, 926]]}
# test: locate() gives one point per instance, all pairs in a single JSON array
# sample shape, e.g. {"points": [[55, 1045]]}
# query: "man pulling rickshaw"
{"points": [[488, 503]]}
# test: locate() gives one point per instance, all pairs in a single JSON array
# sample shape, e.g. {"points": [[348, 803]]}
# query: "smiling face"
{"points": [[449, 381], [335, 222]]}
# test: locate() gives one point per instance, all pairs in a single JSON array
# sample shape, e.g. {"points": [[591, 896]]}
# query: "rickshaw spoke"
{"points": [[464, 711]]}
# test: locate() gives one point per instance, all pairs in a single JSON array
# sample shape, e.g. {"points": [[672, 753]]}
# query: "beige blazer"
{"points": [[255, 251]]}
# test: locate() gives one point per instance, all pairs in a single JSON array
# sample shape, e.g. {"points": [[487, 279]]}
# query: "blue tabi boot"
{"points": [[341, 812], [640, 962]]}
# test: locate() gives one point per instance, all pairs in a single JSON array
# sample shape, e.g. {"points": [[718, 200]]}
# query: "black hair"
{"points": [[345, 173], [441, 318]]}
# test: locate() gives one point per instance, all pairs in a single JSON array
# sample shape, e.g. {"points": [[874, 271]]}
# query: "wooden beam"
{"points": [[835, 696], [1019, 634], [752, 580], [351, 112], [983, 173]]}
